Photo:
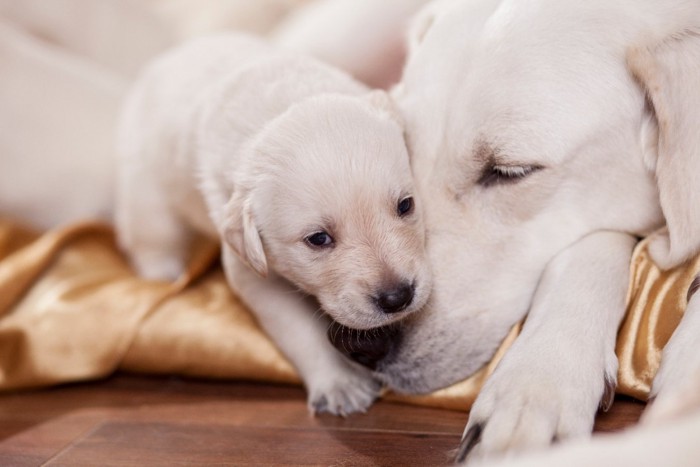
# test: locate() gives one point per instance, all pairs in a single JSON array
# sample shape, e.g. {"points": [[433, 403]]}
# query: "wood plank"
{"points": [[624, 413], [69, 424], [204, 422], [132, 443], [285, 405], [39, 444]]}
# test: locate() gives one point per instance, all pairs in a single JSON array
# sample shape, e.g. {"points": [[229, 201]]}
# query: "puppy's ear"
{"points": [[241, 234], [669, 73], [381, 100]]}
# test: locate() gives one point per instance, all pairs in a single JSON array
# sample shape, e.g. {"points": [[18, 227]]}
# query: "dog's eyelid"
{"points": [[501, 160], [497, 172], [513, 170]]}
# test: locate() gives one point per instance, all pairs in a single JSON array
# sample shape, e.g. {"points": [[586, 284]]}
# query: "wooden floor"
{"points": [[134, 420]]}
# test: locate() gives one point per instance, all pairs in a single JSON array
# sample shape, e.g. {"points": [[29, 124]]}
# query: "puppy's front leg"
{"points": [[676, 388], [563, 365], [294, 323]]}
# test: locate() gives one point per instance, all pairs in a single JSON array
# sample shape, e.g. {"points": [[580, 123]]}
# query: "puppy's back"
{"points": [[194, 109], [163, 102], [158, 121]]}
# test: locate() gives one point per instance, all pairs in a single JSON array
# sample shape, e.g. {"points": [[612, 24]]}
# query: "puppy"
{"points": [[301, 173], [545, 137]]}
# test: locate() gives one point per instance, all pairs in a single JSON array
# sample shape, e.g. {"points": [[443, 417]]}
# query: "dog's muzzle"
{"points": [[367, 346]]}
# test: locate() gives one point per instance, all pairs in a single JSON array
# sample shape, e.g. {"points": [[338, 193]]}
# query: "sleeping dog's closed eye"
{"points": [[497, 174]]}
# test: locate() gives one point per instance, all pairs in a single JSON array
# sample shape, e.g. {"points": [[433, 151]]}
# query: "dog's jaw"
{"points": [[432, 352]]}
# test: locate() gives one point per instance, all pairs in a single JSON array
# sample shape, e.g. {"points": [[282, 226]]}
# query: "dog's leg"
{"points": [[676, 388], [148, 230], [295, 324], [563, 365], [669, 444]]}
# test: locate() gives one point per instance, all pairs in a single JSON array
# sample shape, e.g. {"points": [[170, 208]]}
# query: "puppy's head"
{"points": [[528, 131], [330, 205]]}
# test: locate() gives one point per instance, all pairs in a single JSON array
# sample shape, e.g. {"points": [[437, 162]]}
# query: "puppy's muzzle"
{"points": [[367, 346], [396, 298]]}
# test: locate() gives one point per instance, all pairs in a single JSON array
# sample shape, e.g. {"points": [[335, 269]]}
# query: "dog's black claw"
{"points": [[320, 405], [470, 440], [608, 393]]}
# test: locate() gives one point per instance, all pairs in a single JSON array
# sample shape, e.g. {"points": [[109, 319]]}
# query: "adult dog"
{"points": [[301, 173], [545, 136]]}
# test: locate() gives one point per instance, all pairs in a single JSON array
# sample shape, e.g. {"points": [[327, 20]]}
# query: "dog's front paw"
{"points": [[342, 390], [525, 407]]}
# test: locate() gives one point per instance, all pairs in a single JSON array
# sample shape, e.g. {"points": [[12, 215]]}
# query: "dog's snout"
{"points": [[397, 298], [367, 347]]}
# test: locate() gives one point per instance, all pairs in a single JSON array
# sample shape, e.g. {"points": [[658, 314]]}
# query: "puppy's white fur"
{"points": [[235, 139], [537, 129]]}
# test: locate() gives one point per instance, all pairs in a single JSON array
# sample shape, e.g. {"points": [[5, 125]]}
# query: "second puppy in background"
{"points": [[301, 172]]}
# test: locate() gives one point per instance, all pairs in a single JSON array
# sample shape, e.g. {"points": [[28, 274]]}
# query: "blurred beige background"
{"points": [[66, 64]]}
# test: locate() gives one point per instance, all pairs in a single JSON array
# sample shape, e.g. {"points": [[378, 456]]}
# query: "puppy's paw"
{"points": [[343, 390], [160, 267], [529, 406]]}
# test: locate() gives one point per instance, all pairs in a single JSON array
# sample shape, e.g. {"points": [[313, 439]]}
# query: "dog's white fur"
{"points": [[362, 37], [592, 110], [668, 444], [233, 138]]}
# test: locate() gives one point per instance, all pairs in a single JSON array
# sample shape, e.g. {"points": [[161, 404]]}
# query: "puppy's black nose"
{"points": [[367, 347], [396, 299]]}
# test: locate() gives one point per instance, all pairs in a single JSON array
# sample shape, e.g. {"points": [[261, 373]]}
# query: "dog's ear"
{"points": [[241, 233], [381, 100], [669, 73]]}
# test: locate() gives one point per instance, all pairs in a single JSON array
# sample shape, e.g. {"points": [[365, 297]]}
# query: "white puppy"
{"points": [[302, 174], [544, 136]]}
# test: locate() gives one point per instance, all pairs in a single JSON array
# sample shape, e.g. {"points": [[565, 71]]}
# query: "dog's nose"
{"points": [[396, 299], [367, 347]]}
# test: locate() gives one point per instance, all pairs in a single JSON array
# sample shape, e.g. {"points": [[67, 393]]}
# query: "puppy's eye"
{"points": [[319, 240], [405, 206], [501, 174]]}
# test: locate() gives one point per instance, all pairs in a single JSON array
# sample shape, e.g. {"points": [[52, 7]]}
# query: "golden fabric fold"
{"points": [[71, 309], [655, 305]]}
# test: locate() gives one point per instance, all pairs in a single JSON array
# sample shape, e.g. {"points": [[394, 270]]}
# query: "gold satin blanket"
{"points": [[72, 310]]}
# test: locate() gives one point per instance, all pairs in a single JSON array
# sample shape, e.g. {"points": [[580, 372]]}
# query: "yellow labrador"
{"points": [[545, 135], [303, 175]]}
